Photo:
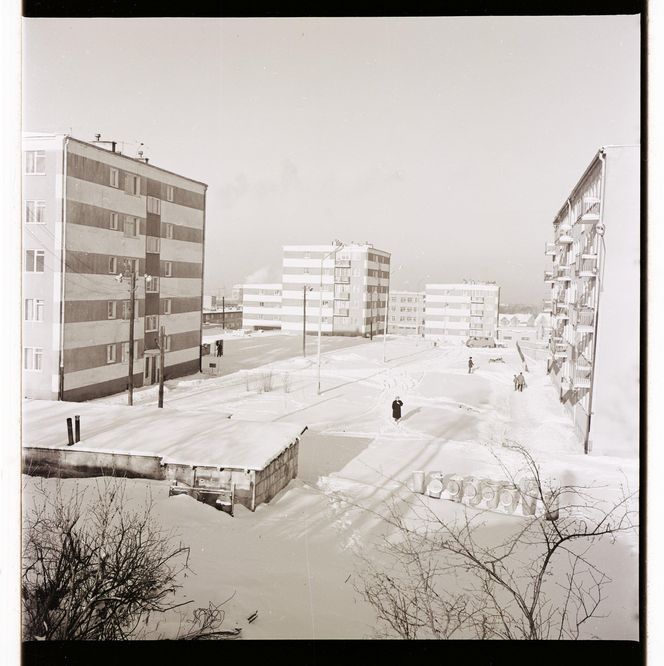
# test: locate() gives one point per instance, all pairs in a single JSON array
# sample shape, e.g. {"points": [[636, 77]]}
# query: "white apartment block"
{"points": [[406, 315], [355, 285], [457, 312], [261, 306], [91, 214], [594, 306]]}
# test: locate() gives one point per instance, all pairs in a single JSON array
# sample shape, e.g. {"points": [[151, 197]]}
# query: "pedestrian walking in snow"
{"points": [[521, 381], [218, 347], [396, 409], [471, 365], [516, 383]]}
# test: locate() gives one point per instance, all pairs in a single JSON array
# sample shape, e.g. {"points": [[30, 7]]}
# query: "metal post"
{"points": [[132, 296], [223, 312], [387, 301], [304, 322], [161, 366], [77, 424], [70, 432]]}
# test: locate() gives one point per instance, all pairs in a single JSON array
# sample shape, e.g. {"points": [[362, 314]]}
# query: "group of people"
{"points": [[519, 382]]}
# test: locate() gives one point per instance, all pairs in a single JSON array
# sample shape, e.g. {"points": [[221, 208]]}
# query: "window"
{"points": [[305, 270], [35, 162], [112, 308], [114, 222], [152, 244], [110, 353], [150, 323], [151, 284], [35, 212], [124, 358], [115, 178], [125, 309], [131, 226], [168, 230], [34, 309], [113, 265], [132, 184], [167, 306], [154, 205], [168, 268], [169, 193], [167, 343], [32, 358], [135, 265], [34, 261]]}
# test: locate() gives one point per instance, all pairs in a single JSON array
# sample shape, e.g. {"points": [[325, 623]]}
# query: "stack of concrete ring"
{"points": [[521, 498]]}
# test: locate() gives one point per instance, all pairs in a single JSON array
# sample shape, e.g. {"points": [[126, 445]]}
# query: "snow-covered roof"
{"points": [[178, 437]]}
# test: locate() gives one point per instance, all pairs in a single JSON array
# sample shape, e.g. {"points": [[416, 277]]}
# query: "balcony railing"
{"points": [[548, 276], [586, 268], [343, 296], [342, 263], [589, 211], [550, 249], [581, 382], [565, 239]]}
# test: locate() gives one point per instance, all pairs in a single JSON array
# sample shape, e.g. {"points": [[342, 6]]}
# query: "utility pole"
{"points": [[223, 312], [371, 314], [132, 298], [304, 322], [161, 366]]}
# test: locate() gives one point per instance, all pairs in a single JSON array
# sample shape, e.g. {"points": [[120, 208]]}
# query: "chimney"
{"points": [[104, 144]]}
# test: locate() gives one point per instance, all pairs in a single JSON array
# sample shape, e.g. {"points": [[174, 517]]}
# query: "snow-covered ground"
{"points": [[294, 560]]}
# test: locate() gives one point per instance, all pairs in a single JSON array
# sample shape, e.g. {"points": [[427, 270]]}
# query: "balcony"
{"points": [[581, 383], [547, 306], [342, 263], [589, 211], [560, 355], [344, 296], [548, 277], [587, 268], [565, 239], [550, 249]]}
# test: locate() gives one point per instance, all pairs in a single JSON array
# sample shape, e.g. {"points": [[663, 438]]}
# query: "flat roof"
{"points": [[201, 438]]}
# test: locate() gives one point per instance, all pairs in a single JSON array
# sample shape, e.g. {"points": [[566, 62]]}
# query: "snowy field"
{"points": [[295, 560]]}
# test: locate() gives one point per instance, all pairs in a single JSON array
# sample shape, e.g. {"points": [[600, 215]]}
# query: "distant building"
{"points": [[406, 314], [594, 306], [261, 306], [355, 285], [209, 302], [229, 318], [457, 312], [515, 320], [92, 215], [236, 293]]}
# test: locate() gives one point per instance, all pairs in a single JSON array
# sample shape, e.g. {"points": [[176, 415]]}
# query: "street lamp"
{"points": [[132, 298], [337, 246], [305, 289]]}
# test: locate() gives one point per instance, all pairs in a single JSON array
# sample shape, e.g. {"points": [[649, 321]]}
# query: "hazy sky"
{"points": [[449, 142]]}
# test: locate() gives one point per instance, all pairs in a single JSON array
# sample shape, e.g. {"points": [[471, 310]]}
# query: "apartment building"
{"points": [[457, 312], [355, 285], [92, 217], [406, 314], [261, 306], [594, 302]]}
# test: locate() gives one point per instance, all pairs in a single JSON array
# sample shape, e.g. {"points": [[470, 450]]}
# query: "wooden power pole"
{"points": [[132, 298], [304, 323], [161, 365]]}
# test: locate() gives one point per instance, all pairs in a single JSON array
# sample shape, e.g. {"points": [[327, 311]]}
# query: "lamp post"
{"points": [[305, 289], [132, 307], [337, 246]]}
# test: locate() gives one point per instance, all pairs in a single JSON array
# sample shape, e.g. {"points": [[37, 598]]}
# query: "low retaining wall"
{"points": [[277, 475]]}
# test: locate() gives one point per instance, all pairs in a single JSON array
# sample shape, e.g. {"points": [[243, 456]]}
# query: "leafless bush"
{"points": [[286, 381], [93, 570], [443, 579], [266, 381]]}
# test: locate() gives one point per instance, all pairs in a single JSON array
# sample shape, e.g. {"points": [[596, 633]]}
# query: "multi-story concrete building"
{"points": [[91, 215], [594, 306], [457, 312], [261, 306], [355, 281], [406, 315]]}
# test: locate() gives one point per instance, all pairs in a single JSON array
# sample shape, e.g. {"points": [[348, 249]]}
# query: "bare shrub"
{"points": [[445, 579], [266, 381], [93, 570], [286, 381]]}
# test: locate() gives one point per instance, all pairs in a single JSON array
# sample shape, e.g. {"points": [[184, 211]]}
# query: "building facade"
{"points": [[457, 312], [261, 306], [355, 285], [406, 315], [91, 218], [229, 318], [594, 301]]}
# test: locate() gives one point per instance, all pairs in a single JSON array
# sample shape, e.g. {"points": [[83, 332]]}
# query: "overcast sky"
{"points": [[449, 142]]}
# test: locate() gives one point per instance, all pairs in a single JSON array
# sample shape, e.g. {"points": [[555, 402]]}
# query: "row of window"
{"points": [[34, 311]]}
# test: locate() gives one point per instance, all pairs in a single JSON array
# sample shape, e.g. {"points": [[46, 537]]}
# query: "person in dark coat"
{"points": [[218, 347], [396, 409], [471, 365]]}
